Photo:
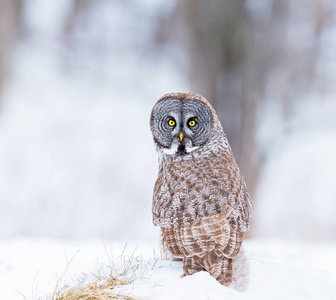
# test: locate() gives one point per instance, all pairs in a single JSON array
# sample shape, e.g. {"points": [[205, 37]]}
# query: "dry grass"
{"points": [[100, 290], [105, 287]]}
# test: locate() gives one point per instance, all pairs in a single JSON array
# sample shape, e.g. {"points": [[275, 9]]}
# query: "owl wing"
{"points": [[210, 233], [222, 232]]}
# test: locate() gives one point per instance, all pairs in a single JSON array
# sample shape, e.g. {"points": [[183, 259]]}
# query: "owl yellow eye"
{"points": [[171, 123], [192, 123]]}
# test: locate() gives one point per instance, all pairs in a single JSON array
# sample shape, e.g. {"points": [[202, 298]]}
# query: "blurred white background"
{"points": [[78, 80]]}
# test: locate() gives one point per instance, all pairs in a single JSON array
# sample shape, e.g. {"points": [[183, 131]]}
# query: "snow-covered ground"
{"points": [[278, 269]]}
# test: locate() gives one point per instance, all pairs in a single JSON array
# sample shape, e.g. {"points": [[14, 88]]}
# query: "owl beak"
{"points": [[181, 136]]}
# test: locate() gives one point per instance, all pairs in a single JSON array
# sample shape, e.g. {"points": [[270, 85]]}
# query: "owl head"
{"points": [[181, 123]]}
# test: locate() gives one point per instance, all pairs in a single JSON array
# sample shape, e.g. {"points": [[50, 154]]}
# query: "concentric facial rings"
{"points": [[171, 117]]}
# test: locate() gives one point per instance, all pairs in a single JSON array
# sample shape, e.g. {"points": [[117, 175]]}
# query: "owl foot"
{"points": [[191, 265], [177, 259]]}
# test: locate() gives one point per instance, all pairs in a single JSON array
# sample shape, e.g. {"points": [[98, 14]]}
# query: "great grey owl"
{"points": [[200, 199]]}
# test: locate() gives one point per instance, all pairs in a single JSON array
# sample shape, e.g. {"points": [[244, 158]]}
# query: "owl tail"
{"points": [[213, 262], [222, 271]]}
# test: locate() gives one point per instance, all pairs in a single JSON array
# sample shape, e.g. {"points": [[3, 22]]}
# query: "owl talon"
{"points": [[177, 259]]}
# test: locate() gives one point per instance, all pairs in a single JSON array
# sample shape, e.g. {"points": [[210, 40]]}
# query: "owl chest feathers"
{"points": [[189, 189]]}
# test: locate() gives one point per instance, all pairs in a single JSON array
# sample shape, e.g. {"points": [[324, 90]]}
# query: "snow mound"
{"points": [[278, 270]]}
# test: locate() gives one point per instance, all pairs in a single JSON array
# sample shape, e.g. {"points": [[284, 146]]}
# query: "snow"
{"points": [[296, 196], [278, 269]]}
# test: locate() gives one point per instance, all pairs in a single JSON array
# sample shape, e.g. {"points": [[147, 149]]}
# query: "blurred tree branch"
{"points": [[10, 17], [217, 38], [78, 6]]}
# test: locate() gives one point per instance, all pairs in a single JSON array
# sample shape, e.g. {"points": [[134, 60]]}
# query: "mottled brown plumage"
{"points": [[200, 199]]}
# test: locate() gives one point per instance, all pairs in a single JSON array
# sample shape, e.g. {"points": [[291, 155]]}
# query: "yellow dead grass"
{"points": [[101, 290]]}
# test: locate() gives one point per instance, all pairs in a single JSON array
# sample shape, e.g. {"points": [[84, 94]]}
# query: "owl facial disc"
{"points": [[180, 126]]}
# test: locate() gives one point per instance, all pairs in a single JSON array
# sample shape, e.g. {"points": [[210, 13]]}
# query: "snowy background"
{"points": [[78, 80]]}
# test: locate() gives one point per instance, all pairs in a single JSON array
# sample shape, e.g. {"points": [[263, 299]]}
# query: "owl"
{"points": [[200, 199]]}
